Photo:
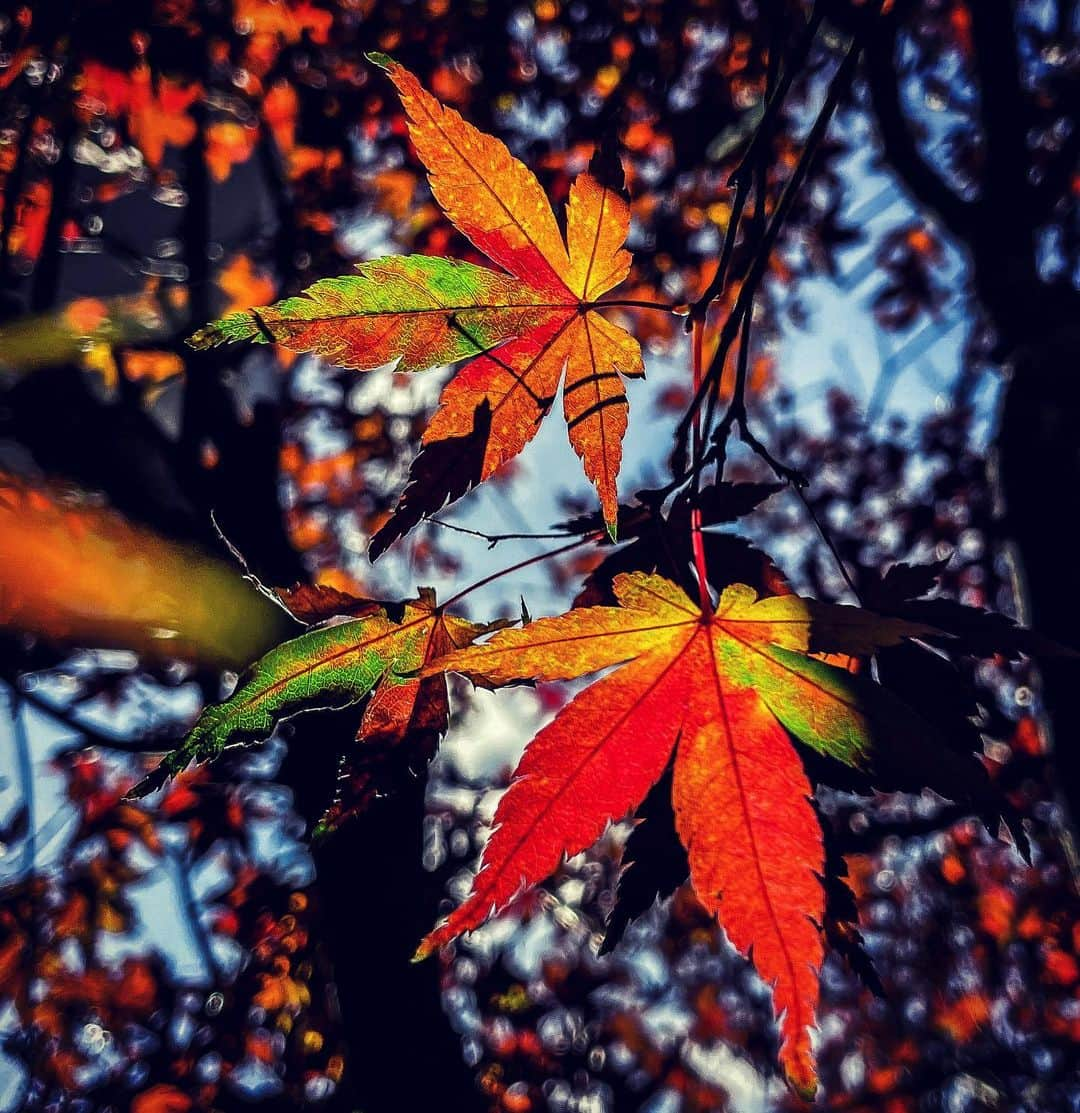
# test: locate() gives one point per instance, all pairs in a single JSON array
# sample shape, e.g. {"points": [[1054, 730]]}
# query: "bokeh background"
{"points": [[163, 161]]}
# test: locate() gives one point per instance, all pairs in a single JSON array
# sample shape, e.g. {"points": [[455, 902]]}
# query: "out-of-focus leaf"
{"points": [[81, 574], [82, 326]]}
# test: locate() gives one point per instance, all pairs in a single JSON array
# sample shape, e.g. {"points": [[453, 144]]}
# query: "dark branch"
{"points": [[839, 88], [776, 93], [901, 150]]}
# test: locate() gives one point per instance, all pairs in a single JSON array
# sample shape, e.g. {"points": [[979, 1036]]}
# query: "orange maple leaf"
{"points": [[228, 144], [163, 1098], [280, 109], [151, 365], [31, 220], [159, 114], [721, 689], [242, 283], [76, 572], [288, 21], [525, 328]]}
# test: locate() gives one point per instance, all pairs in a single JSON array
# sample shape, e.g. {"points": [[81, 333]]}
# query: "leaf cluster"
{"points": [[724, 698]]}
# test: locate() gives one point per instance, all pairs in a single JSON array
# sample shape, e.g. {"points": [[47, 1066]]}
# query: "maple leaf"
{"points": [[334, 665], [159, 114], [31, 220], [526, 328], [290, 21], [242, 283], [719, 690], [228, 144]]}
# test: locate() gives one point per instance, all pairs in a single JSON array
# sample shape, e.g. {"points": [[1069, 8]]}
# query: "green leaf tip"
{"points": [[170, 765], [377, 58], [229, 330]]}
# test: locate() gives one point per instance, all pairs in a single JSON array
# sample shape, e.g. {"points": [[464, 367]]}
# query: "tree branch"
{"points": [[1054, 183], [1003, 108], [775, 94], [898, 142], [838, 89]]}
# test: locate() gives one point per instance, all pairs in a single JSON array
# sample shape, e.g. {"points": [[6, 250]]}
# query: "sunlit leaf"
{"points": [[333, 666], [719, 689], [524, 326]]}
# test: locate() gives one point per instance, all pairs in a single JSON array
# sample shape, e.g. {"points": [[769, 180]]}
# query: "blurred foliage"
{"points": [[260, 1016], [165, 161], [75, 573]]}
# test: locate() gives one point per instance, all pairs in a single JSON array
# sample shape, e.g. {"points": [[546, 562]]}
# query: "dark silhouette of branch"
{"points": [[901, 150], [1003, 112], [838, 89], [146, 743], [46, 281], [777, 88], [494, 539], [1055, 180]]}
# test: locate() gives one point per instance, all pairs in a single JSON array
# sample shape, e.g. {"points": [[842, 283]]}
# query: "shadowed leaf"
{"points": [[654, 863], [443, 471]]}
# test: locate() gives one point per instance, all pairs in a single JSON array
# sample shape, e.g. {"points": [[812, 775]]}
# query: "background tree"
{"points": [[221, 154]]}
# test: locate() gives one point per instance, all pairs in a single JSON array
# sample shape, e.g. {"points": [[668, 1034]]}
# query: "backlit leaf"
{"points": [[420, 311], [717, 689], [333, 666], [524, 327]]}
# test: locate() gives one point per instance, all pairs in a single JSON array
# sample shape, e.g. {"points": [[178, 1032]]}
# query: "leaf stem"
{"points": [[632, 303], [697, 542], [493, 539], [828, 541], [595, 535]]}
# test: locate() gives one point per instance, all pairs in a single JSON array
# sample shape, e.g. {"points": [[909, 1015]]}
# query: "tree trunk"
{"points": [[1038, 451], [377, 902]]}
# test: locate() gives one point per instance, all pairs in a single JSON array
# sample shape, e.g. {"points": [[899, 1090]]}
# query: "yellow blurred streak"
{"points": [[81, 574], [77, 332]]}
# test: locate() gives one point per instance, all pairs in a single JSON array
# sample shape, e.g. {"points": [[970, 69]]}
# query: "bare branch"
{"points": [[927, 187]]}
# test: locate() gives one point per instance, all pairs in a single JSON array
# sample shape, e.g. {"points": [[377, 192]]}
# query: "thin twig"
{"points": [[697, 542], [838, 89], [826, 537], [193, 912], [25, 762], [735, 416], [739, 179], [588, 538], [716, 287], [631, 303], [493, 539], [95, 737], [247, 573], [777, 88]]}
